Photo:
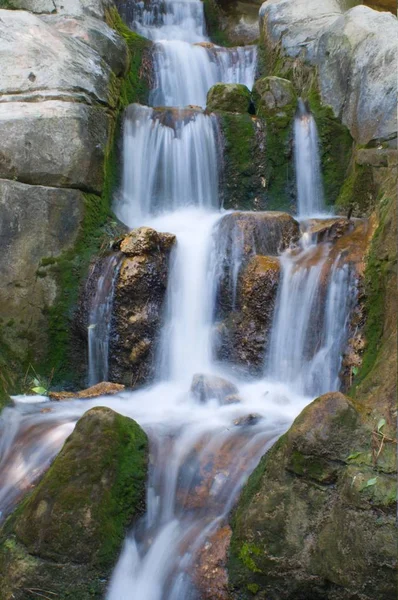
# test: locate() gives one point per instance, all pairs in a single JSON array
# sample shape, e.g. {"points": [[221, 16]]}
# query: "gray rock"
{"points": [[37, 58], [212, 387], [297, 25], [358, 58], [355, 54], [96, 34], [53, 143], [93, 8], [274, 93], [35, 222]]}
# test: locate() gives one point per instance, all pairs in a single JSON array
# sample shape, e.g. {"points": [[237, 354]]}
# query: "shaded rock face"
{"points": [[229, 97], [65, 537], [316, 519], [210, 576], [248, 276], [59, 81], [243, 159], [139, 305], [232, 23]]}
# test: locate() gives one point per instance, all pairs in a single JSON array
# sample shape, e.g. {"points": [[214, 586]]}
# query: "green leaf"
{"points": [[381, 424], [353, 455], [39, 390], [371, 482], [354, 370]]}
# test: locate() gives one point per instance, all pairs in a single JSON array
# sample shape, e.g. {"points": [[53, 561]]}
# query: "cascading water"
{"points": [[202, 451], [310, 326], [170, 163], [100, 320], [310, 199]]}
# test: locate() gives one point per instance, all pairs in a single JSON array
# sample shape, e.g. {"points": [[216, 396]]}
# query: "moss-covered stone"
{"points": [[310, 524], [65, 537], [243, 177], [229, 97]]}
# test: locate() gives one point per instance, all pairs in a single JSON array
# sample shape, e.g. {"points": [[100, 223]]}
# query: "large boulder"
{"points": [[34, 133], [353, 53], [274, 96], [358, 55], [229, 97], [316, 519], [66, 536], [77, 8], [138, 305]]}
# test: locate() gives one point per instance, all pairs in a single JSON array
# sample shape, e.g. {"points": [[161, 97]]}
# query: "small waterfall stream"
{"points": [[201, 452]]}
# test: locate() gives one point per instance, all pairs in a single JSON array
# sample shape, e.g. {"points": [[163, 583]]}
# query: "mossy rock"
{"points": [[229, 97], [66, 536], [243, 175], [274, 94], [312, 522]]}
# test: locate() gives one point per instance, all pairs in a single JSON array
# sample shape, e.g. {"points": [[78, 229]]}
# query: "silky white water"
{"points": [[201, 452], [100, 315], [310, 199]]}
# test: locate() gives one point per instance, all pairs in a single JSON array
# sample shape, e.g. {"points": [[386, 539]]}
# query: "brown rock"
{"points": [[210, 574], [99, 389]]}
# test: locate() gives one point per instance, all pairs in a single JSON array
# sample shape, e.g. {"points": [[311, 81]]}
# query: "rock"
{"points": [[316, 519], [145, 240], [229, 97], [355, 55], [96, 34], [361, 46], [273, 94], [211, 387], [77, 8], [210, 575], [34, 133], [327, 230], [138, 305], [99, 389], [248, 420], [244, 161], [39, 63], [266, 233], [243, 336], [232, 23], [37, 225], [66, 536]]}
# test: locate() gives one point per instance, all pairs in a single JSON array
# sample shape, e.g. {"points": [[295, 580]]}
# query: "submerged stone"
{"points": [[65, 537], [229, 97], [209, 387]]}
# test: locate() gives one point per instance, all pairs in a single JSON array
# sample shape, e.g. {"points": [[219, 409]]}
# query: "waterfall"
{"points": [[170, 163], [311, 320], [310, 199], [184, 73], [100, 320]]}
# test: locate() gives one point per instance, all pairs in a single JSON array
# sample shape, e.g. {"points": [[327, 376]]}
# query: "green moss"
{"points": [[230, 97], [213, 22], [253, 588], [359, 191], [247, 554], [380, 268], [336, 146]]}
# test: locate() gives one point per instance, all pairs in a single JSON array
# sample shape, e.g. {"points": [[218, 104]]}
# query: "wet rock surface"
{"points": [[65, 537], [210, 575], [248, 282], [138, 307]]}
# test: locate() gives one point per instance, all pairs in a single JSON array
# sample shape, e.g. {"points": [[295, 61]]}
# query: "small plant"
{"points": [[35, 383]]}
